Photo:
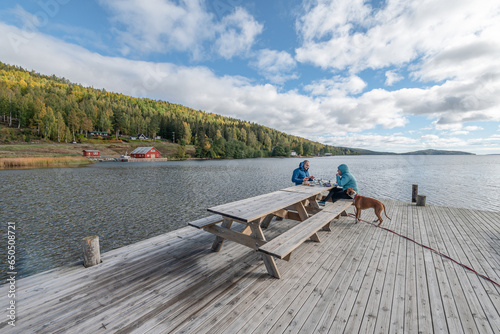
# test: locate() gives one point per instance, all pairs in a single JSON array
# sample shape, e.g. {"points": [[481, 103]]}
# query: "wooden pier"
{"points": [[359, 279]]}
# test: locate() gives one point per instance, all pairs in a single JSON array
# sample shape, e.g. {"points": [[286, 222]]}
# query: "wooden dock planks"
{"points": [[360, 278]]}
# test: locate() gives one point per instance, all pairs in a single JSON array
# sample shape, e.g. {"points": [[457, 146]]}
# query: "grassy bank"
{"points": [[40, 162], [49, 154], [50, 149]]}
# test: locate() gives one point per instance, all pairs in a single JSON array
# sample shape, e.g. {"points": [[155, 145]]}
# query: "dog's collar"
{"points": [[355, 196]]}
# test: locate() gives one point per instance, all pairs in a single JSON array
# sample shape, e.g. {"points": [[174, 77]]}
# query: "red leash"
{"points": [[429, 248]]}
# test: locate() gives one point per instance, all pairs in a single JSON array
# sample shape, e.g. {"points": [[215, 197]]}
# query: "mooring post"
{"points": [[91, 252], [421, 200], [414, 193]]}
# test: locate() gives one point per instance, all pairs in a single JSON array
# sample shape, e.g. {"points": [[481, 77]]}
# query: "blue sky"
{"points": [[393, 76]]}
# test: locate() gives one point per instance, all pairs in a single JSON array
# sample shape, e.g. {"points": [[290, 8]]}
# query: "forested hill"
{"points": [[55, 109]]}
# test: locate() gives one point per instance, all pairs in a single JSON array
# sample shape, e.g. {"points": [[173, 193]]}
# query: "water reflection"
{"points": [[124, 203]]}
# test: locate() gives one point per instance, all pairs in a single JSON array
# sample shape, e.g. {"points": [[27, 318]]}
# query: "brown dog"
{"points": [[362, 203]]}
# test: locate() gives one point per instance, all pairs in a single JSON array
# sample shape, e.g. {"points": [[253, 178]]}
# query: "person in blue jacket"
{"points": [[345, 180], [302, 173]]}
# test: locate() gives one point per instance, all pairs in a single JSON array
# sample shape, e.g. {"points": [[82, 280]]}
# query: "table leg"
{"points": [[315, 237], [266, 221], [302, 211], [271, 267], [217, 245], [315, 205], [247, 230]]}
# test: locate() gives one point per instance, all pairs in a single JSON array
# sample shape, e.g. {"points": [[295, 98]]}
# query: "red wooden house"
{"points": [[90, 153], [145, 153]]}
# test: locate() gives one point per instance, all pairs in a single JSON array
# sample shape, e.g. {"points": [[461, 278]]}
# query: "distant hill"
{"points": [[367, 152], [420, 152], [437, 152]]}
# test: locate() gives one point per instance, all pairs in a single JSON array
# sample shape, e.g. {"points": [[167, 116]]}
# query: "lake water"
{"points": [[122, 203]]}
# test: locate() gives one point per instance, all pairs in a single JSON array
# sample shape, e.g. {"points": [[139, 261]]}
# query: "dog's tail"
{"points": [[385, 212]]}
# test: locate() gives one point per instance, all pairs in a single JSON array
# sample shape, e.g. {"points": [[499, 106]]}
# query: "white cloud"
{"points": [[447, 127], [330, 19], [453, 102], [473, 128], [448, 39], [455, 129], [392, 77], [337, 86], [237, 33], [378, 107], [390, 143], [433, 141], [341, 34], [275, 65], [162, 26]]}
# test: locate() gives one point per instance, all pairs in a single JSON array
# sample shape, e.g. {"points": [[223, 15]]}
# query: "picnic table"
{"points": [[298, 203]]}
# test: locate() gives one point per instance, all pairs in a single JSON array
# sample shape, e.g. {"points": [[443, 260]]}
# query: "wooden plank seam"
{"points": [[433, 250]]}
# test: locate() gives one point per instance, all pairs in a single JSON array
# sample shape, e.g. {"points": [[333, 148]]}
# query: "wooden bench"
{"points": [[283, 245], [206, 221]]}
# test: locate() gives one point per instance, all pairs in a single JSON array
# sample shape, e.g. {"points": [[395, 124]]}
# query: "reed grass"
{"points": [[38, 162]]}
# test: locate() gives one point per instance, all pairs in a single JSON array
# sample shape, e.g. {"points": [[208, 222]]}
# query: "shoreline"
{"points": [[52, 155], [49, 154]]}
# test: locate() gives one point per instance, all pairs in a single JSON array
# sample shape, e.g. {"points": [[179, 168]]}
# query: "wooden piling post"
{"points": [[414, 193], [91, 252], [421, 200]]}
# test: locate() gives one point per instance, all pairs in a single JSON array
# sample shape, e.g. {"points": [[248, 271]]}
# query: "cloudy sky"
{"points": [[393, 75]]}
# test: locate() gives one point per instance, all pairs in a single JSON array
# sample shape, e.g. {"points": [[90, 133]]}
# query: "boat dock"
{"points": [[358, 279]]}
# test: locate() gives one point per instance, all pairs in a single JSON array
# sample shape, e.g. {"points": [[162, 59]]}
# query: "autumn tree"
{"points": [[73, 122]]}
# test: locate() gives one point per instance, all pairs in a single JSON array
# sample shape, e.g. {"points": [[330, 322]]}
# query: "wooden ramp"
{"points": [[359, 279]]}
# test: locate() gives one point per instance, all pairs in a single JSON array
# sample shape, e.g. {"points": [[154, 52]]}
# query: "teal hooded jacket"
{"points": [[346, 180]]}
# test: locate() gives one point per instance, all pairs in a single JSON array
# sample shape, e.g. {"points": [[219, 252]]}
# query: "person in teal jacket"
{"points": [[345, 180]]}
